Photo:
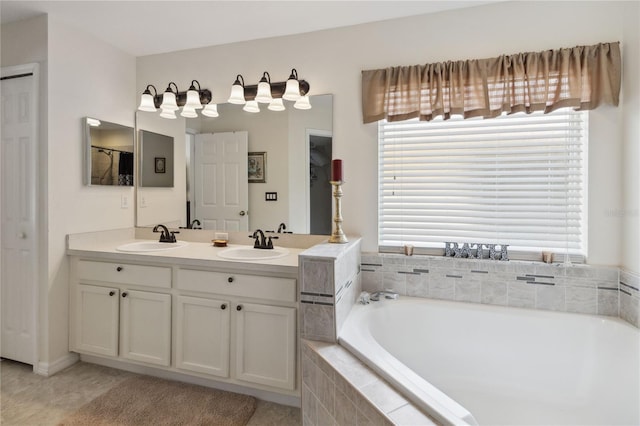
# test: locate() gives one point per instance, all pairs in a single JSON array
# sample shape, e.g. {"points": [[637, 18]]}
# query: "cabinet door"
{"points": [[265, 345], [145, 327], [202, 341], [96, 320]]}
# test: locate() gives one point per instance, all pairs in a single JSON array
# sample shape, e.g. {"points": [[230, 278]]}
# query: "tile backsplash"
{"points": [[574, 288]]}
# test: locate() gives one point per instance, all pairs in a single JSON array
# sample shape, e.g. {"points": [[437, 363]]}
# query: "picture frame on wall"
{"points": [[257, 167], [161, 164]]}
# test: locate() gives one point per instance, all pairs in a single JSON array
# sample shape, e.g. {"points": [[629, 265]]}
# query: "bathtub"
{"points": [[474, 364]]}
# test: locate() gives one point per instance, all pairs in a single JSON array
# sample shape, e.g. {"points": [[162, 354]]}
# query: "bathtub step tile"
{"points": [[418, 285], [383, 396], [468, 290], [630, 309], [607, 303], [410, 415], [521, 295], [324, 417], [309, 403], [345, 409]]}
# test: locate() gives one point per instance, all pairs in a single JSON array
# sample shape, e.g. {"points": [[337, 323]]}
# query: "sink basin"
{"points": [[148, 246], [250, 253]]}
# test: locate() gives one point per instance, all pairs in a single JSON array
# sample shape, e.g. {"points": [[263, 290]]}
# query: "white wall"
{"points": [[630, 214], [87, 77], [332, 62]]}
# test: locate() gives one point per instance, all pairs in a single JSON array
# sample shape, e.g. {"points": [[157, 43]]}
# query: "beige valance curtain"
{"points": [[582, 77]]}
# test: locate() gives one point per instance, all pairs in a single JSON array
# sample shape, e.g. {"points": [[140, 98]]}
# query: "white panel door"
{"points": [[203, 335], [96, 320], [19, 239], [145, 327], [266, 345], [221, 182]]}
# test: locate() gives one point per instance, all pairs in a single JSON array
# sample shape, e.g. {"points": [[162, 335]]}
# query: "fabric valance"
{"points": [[582, 77]]}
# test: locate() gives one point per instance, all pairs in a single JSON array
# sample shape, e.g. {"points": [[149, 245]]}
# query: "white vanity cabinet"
{"points": [[109, 318], [262, 333], [203, 335]]}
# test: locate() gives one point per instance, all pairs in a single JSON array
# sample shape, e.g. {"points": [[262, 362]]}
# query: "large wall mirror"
{"points": [[108, 151], [295, 151]]}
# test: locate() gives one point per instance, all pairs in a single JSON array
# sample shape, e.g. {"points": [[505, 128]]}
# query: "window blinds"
{"points": [[516, 179]]}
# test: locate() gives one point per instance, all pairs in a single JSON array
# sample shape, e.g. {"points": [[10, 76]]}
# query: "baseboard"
{"points": [[51, 368], [264, 395]]}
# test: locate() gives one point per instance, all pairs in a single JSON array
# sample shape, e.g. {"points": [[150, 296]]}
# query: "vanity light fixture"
{"points": [[292, 90], [270, 92], [237, 91], [264, 89], [93, 122], [172, 100]]}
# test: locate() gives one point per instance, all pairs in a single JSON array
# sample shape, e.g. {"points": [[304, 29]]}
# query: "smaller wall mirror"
{"points": [[156, 160], [108, 153]]}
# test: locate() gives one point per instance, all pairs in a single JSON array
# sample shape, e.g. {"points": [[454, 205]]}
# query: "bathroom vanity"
{"points": [[188, 311]]}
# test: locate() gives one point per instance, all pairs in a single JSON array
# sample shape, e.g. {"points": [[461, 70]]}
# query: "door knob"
{"points": [[22, 235], [223, 306], [242, 213]]}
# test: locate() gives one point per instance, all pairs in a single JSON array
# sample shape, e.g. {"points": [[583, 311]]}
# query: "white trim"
{"points": [[51, 368], [33, 68]]}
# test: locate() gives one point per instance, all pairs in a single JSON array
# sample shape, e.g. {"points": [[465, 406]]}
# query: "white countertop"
{"points": [[193, 254]]}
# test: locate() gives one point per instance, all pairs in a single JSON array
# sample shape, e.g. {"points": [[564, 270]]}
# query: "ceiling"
{"points": [[149, 27]]}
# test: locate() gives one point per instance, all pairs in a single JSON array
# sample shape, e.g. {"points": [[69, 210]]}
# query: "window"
{"points": [[516, 179]]}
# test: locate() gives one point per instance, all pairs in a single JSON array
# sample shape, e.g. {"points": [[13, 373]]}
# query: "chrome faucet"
{"points": [[166, 236], [388, 294]]}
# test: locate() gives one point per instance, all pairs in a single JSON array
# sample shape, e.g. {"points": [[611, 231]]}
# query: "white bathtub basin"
{"points": [[150, 246], [250, 253]]}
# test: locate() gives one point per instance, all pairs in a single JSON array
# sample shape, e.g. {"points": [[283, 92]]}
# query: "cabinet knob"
{"points": [[223, 306], [125, 294], [239, 308], [230, 279], [119, 268], [112, 293]]}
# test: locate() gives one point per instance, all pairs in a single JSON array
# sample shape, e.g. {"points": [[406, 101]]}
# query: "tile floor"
{"points": [[27, 399]]}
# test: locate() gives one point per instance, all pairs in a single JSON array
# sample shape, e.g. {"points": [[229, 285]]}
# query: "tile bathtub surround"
{"points": [[329, 277], [338, 389], [630, 297], [577, 288]]}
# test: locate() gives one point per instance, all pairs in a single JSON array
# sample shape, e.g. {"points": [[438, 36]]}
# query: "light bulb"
{"points": [[169, 101], [168, 113], [251, 106], [276, 105], [146, 102], [292, 91], [302, 103], [193, 99], [189, 112], [210, 110]]}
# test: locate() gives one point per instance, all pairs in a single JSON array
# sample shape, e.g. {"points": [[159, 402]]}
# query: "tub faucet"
{"points": [[388, 294]]}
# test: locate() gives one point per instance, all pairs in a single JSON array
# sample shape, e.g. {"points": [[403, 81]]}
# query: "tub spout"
{"points": [[388, 294]]}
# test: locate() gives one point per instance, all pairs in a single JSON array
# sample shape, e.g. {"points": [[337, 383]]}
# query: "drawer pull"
{"points": [[223, 306], [112, 293], [239, 308], [230, 279], [119, 268], [125, 294]]}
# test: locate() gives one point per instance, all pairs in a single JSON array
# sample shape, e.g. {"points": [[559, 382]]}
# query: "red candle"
{"points": [[336, 171]]}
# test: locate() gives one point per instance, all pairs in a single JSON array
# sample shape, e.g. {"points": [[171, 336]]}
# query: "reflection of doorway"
{"points": [[320, 152]]}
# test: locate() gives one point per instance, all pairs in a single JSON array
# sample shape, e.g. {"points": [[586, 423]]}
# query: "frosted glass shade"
{"points": [[168, 113], [302, 103], [292, 90], [193, 100], [264, 93], [146, 103], [251, 106], [189, 112], [276, 105], [169, 101], [237, 95], [210, 110]]}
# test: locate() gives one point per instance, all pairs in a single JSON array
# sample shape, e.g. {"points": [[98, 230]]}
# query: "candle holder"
{"points": [[338, 235]]}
